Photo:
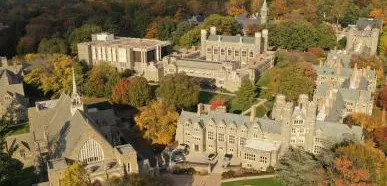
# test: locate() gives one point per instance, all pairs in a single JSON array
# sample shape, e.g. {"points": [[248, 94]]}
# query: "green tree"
{"points": [[181, 29], [53, 45], [81, 69], [101, 78], [245, 96], [158, 122], [75, 175], [299, 167], [191, 38], [82, 34], [139, 91], [179, 90]]}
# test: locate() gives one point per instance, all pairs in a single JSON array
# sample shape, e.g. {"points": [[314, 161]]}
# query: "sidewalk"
{"points": [[248, 178]]}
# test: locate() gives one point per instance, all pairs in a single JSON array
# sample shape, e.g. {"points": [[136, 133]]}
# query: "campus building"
{"points": [[364, 36], [342, 90], [12, 99], [259, 142], [255, 19], [63, 131]]}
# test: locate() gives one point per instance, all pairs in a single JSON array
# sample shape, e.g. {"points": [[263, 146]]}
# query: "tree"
{"points": [[278, 8], [82, 34], [182, 28], [245, 96], [53, 45], [139, 91], [75, 175], [299, 167], [350, 175], [190, 38], [179, 90], [54, 75], [152, 31], [366, 157], [251, 29], [382, 100], [364, 61], [195, 7], [101, 78], [158, 122], [380, 137], [217, 103], [120, 92], [225, 25], [255, 6], [236, 7], [317, 51]]}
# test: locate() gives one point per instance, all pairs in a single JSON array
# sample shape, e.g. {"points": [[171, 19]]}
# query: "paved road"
{"points": [[196, 180]]}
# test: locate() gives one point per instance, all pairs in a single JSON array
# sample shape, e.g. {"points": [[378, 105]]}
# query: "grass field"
{"points": [[255, 182], [263, 109], [21, 129]]}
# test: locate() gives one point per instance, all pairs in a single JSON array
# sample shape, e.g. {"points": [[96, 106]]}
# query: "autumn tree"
{"points": [[120, 92], [182, 28], [382, 100], [317, 51], [251, 29], [53, 45], [245, 96], [255, 6], [158, 122], [236, 7], [350, 175], [380, 138], [75, 175], [139, 91], [217, 103], [53, 75], [178, 90], [195, 7], [278, 8], [152, 31], [101, 78], [374, 62]]}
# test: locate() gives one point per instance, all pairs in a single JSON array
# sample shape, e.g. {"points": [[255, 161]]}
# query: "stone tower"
{"points": [[264, 13], [203, 38], [76, 102]]}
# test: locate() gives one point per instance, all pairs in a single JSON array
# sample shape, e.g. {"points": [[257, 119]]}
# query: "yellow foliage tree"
{"points": [[53, 75], [158, 122], [75, 175], [368, 123], [236, 7]]}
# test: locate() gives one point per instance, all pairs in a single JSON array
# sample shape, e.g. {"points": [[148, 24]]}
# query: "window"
{"points": [[293, 140], [221, 137], [251, 54], [298, 121], [263, 159], [236, 53], [317, 149], [209, 50], [302, 131], [91, 151], [242, 141], [229, 52], [249, 156], [196, 138], [300, 140], [216, 51], [187, 124], [293, 130], [222, 51], [22, 153], [231, 139], [248, 165], [317, 140], [210, 135], [196, 129], [244, 53]]}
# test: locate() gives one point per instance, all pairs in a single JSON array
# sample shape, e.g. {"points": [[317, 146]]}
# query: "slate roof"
{"points": [[362, 23], [329, 129], [244, 21], [232, 39]]}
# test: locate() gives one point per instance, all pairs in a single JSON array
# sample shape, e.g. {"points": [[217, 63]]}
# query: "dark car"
{"points": [[178, 156], [227, 157], [212, 156]]}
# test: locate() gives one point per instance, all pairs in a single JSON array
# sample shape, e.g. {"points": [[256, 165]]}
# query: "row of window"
{"points": [[252, 157], [230, 52], [300, 131]]}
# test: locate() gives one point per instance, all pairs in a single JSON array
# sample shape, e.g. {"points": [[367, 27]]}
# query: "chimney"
{"points": [[213, 30], [4, 62], [200, 109], [240, 39], [253, 113], [258, 41], [265, 35]]}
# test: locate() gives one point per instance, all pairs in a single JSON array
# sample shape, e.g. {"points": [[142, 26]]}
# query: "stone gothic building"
{"points": [[63, 131], [259, 142], [364, 36]]}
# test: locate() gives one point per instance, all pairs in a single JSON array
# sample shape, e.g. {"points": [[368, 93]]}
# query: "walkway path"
{"points": [[216, 91], [262, 101], [248, 178]]}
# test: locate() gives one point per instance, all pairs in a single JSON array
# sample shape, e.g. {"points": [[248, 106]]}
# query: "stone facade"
{"points": [[255, 19], [12, 98], [342, 90], [259, 142], [64, 130], [364, 36]]}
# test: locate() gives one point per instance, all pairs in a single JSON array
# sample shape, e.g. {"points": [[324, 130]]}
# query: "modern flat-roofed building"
{"points": [[125, 53]]}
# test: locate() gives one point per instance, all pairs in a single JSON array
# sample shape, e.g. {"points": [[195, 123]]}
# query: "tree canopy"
{"points": [[158, 122], [101, 79], [178, 90], [75, 175], [245, 96]]}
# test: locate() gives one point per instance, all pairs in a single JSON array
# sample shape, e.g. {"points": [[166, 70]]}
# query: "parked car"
{"points": [[178, 156], [212, 156], [227, 157]]}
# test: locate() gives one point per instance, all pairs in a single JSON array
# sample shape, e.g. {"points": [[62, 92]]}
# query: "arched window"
{"points": [[90, 151]]}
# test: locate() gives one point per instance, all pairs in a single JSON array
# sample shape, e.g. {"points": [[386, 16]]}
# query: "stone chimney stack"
{"points": [[265, 35], [258, 41], [203, 39], [4, 62], [253, 113], [213, 30], [200, 109]]}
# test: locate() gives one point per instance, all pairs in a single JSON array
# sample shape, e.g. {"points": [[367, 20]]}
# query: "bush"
{"points": [[228, 174], [270, 169], [178, 170]]}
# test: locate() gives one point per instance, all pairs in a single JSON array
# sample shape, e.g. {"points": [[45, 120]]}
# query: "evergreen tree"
{"points": [[245, 96]]}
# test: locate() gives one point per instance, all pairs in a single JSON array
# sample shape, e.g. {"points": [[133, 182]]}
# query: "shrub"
{"points": [[228, 174], [178, 170]]}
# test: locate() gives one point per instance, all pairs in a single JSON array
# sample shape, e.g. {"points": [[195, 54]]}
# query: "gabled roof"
{"points": [[362, 23]]}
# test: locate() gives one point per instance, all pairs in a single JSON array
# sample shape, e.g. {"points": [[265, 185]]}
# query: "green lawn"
{"points": [[263, 80], [263, 109], [21, 129], [255, 182]]}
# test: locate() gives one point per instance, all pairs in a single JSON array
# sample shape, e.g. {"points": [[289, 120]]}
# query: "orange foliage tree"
{"points": [[278, 8], [350, 175], [379, 13], [317, 51], [236, 7], [216, 103], [120, 93], [373, 62]]}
